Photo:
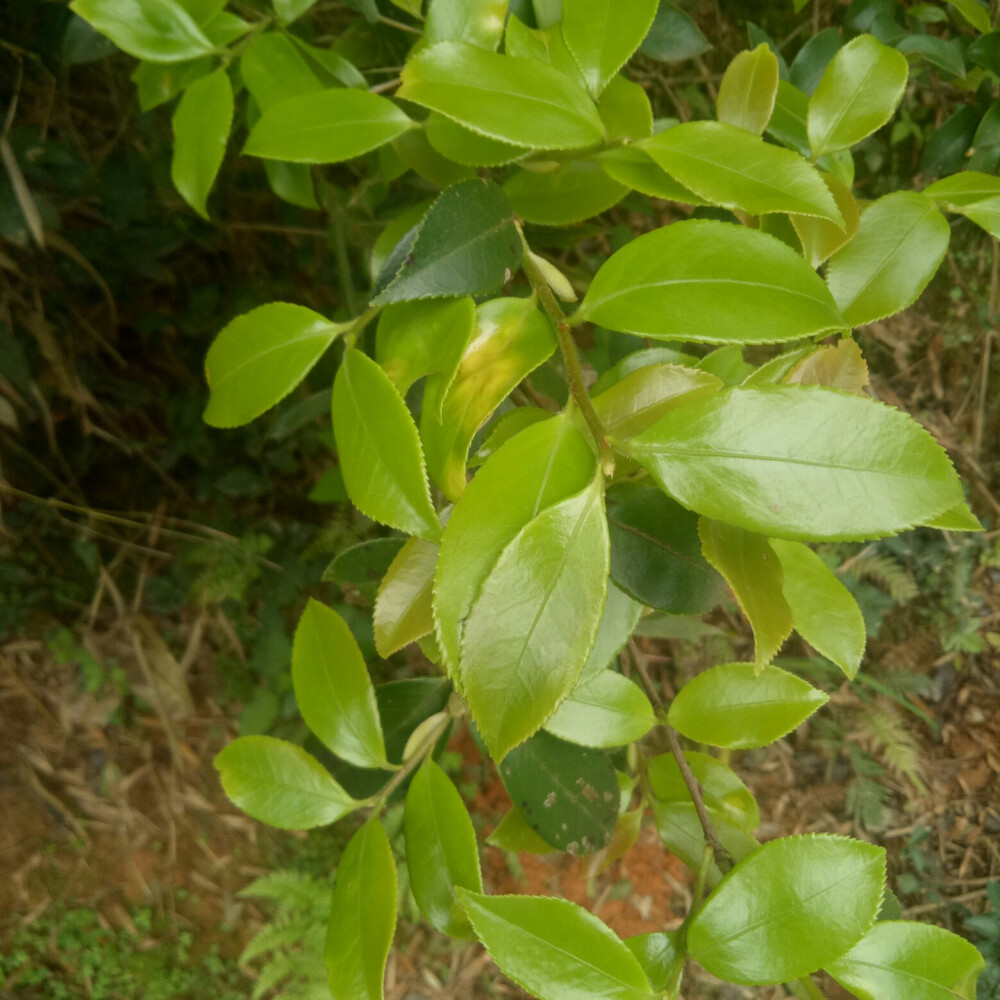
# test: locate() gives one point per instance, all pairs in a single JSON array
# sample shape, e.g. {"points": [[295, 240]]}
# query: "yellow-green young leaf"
{"points": [[424, 337], [860, 89], [379, 449], [819, 237], [985, 214], [513, 833], [713, 282], [916, 961], [789, 908], [326, 127], [542, 465], [403, 606], [606, 710], [532, 627], [575, 191], [621, 615], [976, 15], [730, 167], [776, 460], [900, 242], [735, 706], [441, 852], [546, 45], [555, 949], [625, 110], [519, 101], [602, 34], [753, 571], [467, 147], [748, 89], [478, 22], [511, 339], [721, 788], [958, 518], [333, 689], [362, 916], [837, 366], [631, 166], [623, 838], [201, 128], [157, 30], [280, 784], [823, 611], [965, 188], [260, 357]]}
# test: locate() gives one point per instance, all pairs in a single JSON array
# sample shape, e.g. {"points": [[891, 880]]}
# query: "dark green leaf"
{"points": [[362, 566], [812, 59], [673, 37], [621, 614]]}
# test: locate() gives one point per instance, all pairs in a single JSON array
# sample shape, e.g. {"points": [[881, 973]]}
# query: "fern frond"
{"points": [[291, 890], [902, 683], [884, 572], [277, 934], [893, 742], [280, 967], [867, 801]]}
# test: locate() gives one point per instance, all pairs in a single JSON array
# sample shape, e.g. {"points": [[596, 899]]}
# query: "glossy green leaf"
{"points": [[575, 191], [157, 30], [621, 615], [403, 607], [603, 34], [424, 337], [513, 833], [721, 788], [326, 127], [966, 188], [753, 572], [280, 784], [625, 110], [821, 238], [545, 45], [985, 214], [533, 624], [731, 167], [362, 916], [657, 952], [555, 949], [362, 566], [511, 338], [441, 851], [157, 83], [642, 359], [635, 168], [713, 282], [788, 909], [331, 66], [275, 69], [656, 554], [916, 961], [201, 129], [464, 146], [975, 14], [859, 92], [837, 366], [776, 460], [748, 89], [735, 707], [674, 37], [519, 101], [260, 357], [606, 710], [823, 610], [333, 689], [544, 464], [467, 244], [379, 449], [958, 518], [505, 427], [900, 242], [478, 22]]}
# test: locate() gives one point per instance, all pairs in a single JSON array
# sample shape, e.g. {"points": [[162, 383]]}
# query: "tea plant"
{"points": [[675, 475]]}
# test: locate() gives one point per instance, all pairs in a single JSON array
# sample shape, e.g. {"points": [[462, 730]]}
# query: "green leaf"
{"points": [[511, 339], [505, 427], [575, 191], [467, 244], [280, 784], [379, 449], [712, 282], [900, 242], [291, 10], [621, 615], [606, 710], [788, 909], [362, 916], [603, 34], [403, 607], [414, 151], [441, 852], [333, 689], [812, 59], [655, 552], [918, 961], [362, 566], [625, 110], [260, 357], [156, 30], [519, 101], [534, 622], [735, 707], [733, 168], [424, 337], [464, 146], [823, 610], [776, 460], [945, 55], [961, 190], [478, 22], [328, 126], [657, 952], [957, 518], [555, 949], [721, 788], [748, 89], [976, 15], [754, 573], [642, 359], [859, 92], [819, 237], [674, 37], [546, 45], [537, 468], [201, 129], [274, 69], [513, 833], [158, 83], [635, 168], [682, 834]]}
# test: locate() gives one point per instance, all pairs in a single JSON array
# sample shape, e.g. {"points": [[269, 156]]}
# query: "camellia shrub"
{"points": [[524, 558]]}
